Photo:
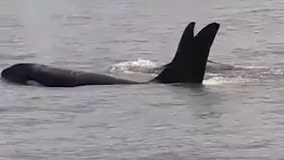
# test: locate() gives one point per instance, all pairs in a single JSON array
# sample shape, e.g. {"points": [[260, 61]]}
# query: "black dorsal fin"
{"points": [[189, 63], [184, 43]]}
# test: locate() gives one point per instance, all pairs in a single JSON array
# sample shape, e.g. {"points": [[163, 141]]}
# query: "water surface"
{"points": [[239, 118]]}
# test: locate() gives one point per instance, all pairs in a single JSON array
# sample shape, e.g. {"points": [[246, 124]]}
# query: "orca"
{"points": [[187, 66]]}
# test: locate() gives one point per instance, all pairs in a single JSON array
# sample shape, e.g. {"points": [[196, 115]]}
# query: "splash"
{"points": [[243, 74], [216, 73], [137, 66], [219, 80], [140, 70]]}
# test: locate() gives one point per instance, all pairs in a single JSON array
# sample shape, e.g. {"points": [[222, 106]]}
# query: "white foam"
{"points": [[138, 70], [33, 83], [276, 71], [225, 80], [143, 70], [139, 65]]}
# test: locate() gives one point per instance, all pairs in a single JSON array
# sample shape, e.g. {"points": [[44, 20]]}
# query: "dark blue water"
{"points": [[235, 115]]}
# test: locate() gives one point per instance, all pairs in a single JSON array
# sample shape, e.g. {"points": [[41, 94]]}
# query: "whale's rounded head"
{"points": [[18, 73]]}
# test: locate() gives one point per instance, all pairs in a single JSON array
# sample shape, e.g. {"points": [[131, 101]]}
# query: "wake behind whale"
{"points": [[216, 73], [188, 66]]}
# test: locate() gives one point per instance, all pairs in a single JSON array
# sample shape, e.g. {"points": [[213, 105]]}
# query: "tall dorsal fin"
{"points": [[189, 63], [184, 43]]}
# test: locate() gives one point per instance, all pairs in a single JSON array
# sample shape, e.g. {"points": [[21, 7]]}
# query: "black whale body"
{"points": [[23, 73], [188, 66]]}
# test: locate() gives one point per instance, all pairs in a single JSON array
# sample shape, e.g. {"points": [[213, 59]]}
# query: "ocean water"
{"points": [[237, 113]]}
